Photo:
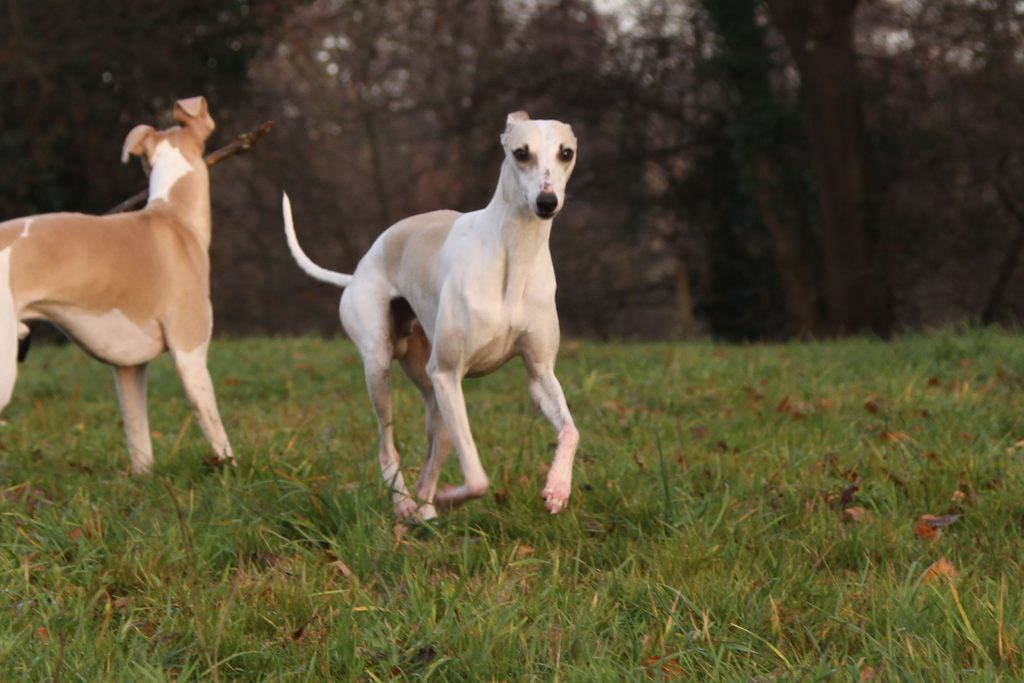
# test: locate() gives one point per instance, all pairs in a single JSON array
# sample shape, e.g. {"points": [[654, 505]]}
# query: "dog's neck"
{"points": [[180, 185], [519, 234]]}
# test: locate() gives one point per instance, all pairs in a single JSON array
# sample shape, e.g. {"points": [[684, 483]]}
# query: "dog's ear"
{"points": [[136, 141], [513, 118], [193, 113]]}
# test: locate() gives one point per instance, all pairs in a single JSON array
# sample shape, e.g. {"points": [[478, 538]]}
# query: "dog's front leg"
{"points": [[199, 388], [452, 403], [131, 394], [548, 396]]}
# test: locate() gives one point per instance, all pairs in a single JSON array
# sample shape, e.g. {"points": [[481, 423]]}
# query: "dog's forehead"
{"points": [[539, 133]]}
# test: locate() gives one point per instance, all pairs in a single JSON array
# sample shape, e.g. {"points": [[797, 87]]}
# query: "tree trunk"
{"points": [[819, 35], [759, 117]]}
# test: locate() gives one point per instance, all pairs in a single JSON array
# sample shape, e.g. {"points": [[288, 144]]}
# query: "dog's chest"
{"points": [[494, 338]]}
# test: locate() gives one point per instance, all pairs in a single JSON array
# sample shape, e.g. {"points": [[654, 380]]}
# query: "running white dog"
{"points": [[451, 295], [129, 286]]}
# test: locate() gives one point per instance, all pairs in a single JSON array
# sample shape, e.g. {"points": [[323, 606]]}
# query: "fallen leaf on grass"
{"points": [[43, 633], [868, 673], [670, 668], [524, 550], [965, 493], [797, 409], [624, 413], [343, 569], [872, 407], [399, 531], [939, 569], [857, 513], [895, 437], [847, 497], [929, 527]]}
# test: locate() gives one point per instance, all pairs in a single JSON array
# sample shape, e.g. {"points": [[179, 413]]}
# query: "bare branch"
{"points": [[239, 145]]}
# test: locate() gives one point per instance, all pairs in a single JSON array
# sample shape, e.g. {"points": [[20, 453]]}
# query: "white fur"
{"points": [[306, 263], [169, 166], [486, 295], [199, 388], [8, 331], [110, 336]]}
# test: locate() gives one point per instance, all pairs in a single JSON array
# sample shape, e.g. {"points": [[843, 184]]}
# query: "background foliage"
{"points": [[748, 169]]}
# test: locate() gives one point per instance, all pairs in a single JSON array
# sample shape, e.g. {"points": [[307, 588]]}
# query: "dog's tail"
{"points": [[313, 270]]}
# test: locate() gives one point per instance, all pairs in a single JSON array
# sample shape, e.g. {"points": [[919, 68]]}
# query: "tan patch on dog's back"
{"points": [[411, 246]]}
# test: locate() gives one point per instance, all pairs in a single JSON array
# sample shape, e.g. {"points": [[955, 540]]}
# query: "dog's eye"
{"points": [[521, 153], [565, 154]]}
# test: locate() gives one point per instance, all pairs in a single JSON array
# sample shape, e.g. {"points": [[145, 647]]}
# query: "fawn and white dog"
{"points": [[451, 295], [126, 287]]}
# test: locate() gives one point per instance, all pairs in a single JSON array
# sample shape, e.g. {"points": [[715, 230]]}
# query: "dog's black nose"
{"points": [[547, 202]]}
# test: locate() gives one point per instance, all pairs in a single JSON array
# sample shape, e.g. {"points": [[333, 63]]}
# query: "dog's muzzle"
{"points": [[547, 204]]}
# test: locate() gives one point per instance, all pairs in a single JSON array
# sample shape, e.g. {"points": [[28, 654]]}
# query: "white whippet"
{"points": [[129, 286], [451, 295]]}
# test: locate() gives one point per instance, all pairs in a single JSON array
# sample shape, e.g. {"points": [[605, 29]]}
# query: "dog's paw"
{"points": [[411, 512], [220, 461], [556, 496]]}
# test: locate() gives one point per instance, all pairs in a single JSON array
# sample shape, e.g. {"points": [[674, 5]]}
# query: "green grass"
{"points": [[706, 537]]}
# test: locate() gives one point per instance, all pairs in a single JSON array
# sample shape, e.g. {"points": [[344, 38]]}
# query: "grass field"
{"points": [[746, 513]]}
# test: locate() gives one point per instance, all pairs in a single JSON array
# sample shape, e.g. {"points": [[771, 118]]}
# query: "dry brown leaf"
{"points": [[872, 407], [43, 633], [895, 437], [868, 673], [797, 409], [857, 513], [343, 569], [524, 550], [940, 569], [670, 668], [399, 531], [929, 527]]}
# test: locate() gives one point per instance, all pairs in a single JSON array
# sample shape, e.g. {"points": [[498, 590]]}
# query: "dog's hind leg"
{"points": [[131, 394], [8, 332], [439, 442], [370, 326]]}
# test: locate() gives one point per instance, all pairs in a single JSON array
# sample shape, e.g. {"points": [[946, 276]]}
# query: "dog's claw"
{"points": [[556, 498]]}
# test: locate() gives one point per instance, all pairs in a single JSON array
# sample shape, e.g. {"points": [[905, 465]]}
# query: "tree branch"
{"points": [[239, 145]]}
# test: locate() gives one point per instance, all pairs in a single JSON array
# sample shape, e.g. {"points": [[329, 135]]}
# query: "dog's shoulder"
{"points": [[422, 234]]}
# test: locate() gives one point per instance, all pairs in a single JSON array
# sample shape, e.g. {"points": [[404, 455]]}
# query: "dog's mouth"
{"points": [[546, 213]]}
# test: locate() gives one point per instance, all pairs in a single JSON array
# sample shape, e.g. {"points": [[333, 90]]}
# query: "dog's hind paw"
{"points": [[408, 510]]}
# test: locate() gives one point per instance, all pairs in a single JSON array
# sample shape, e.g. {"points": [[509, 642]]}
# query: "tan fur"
{"points": [[129, 286]]}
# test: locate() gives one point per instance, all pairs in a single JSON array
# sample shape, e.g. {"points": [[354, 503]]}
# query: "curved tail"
{"points": [[311, 269]]}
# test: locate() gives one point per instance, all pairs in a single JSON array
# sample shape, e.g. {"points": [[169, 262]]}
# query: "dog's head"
{"points": [[541, 156], [188, 139]]}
